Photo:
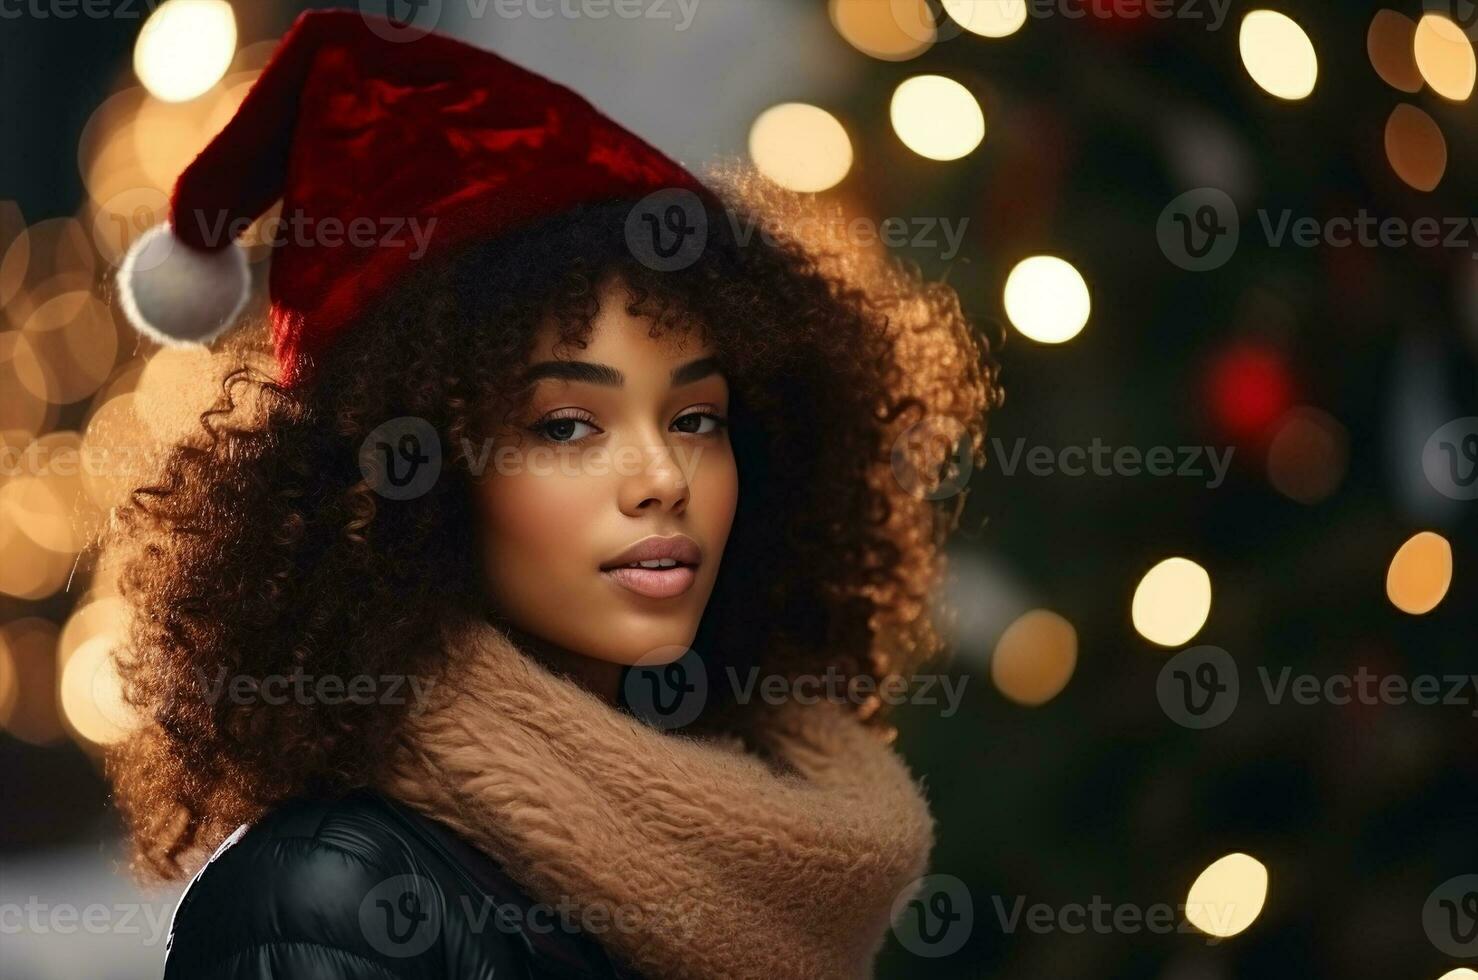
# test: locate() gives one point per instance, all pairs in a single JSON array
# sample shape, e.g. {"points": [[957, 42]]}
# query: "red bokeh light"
{"points": [[1249, 388]]}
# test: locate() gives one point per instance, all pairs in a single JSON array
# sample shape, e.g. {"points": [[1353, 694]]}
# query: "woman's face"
{"points": [[624, 445]]}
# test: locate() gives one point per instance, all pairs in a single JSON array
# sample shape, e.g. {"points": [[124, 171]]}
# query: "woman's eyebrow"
{"points": [[595, 373]]}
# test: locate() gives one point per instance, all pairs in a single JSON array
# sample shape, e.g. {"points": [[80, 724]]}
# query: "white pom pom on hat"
{"points": [[178, 295]]}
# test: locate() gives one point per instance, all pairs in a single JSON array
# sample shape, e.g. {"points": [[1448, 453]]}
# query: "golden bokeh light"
{"points": [[988, 18], [1172, 602], [20, 411], [168, 135], [800, 147], [1035, 657], [32, 371], [937, 117], [97, 615], [59, 247], [74, 335], [15, 251], [1278, 54], [91, 694], [889, 30], [119, 447], [178, 383], [45, 497], [1389, 44], [1415, 147], [29, 646], [1444, 56], [123, 381], [106, 156], [1420, 573], [1461, 973], [1047, 299], [29, 571], [1308, 456], [1228, 896], [9, 683], [185, 47]]}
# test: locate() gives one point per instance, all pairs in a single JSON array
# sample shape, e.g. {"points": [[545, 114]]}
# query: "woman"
{"points": [[473, 643]]}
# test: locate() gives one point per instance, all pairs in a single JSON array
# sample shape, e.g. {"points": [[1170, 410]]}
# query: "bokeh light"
{"points": [[1420, 573], [988, 18], [1308, 456], [1035, 657], [15, 251], [889, 30], [91, 694], [800, 147], [1444, 55], [1172, 602], [937, 117], [1389, 44], [1047, 299], [1228, 896], [1249, 388], [1415, 147], [1278, 54], [185, 47], [28, 645], [99, 615]]}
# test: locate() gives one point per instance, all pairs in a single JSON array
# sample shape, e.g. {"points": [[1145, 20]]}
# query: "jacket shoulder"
{"points": [[313, 889]]}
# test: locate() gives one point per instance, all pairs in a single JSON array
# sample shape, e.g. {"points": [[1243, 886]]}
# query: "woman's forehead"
{"points": [[616, 335]]}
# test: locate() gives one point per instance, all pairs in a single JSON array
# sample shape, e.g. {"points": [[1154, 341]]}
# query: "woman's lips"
{"points": [[655, 583]]}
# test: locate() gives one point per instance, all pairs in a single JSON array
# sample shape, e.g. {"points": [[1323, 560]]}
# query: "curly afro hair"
{"points": [[261, 550]]}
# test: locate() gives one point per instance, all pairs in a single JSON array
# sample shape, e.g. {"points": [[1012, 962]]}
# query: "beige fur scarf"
{"points": [[718, 863]]}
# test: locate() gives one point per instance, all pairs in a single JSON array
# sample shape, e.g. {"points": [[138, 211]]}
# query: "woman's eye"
{"points": [[563, 429], [700, 423]]}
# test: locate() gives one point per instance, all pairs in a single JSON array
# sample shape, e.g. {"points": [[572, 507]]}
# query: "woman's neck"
{"points": [[600, 677]]}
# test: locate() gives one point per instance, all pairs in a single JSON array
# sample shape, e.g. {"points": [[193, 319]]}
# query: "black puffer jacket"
{"points": [[365, 887]]}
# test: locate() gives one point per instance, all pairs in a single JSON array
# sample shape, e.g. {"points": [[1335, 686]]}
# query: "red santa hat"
{"points": [[371, 139]]}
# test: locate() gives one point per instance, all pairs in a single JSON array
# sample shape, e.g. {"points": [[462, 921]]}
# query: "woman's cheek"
{"points": [[715, 484]]}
